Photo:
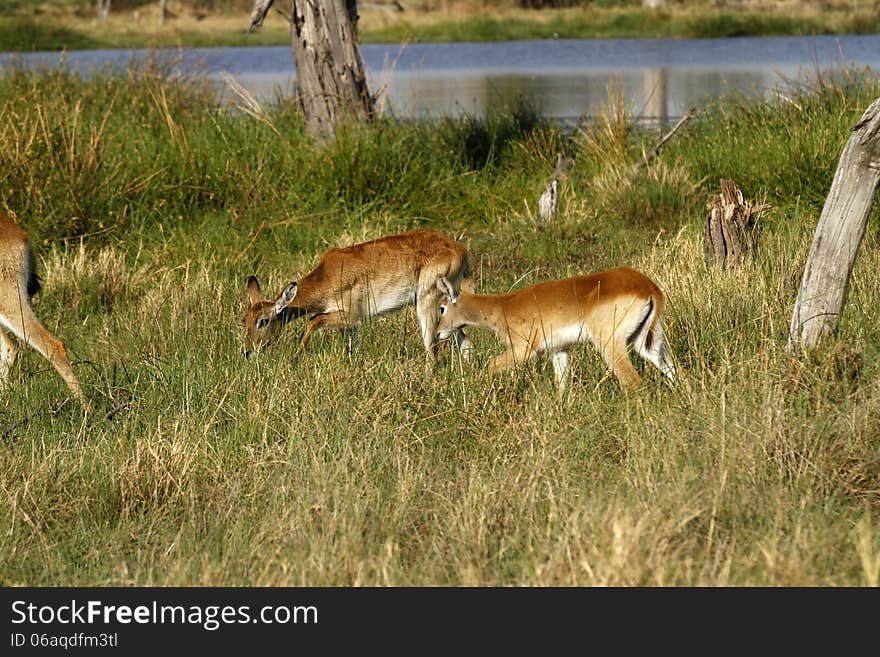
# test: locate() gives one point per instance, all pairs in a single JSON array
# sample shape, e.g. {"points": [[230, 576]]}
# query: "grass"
{"points": [[68, 24], [149, 208]]}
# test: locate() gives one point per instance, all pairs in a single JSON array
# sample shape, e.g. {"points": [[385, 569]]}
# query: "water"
{"points": [[566, 78]]}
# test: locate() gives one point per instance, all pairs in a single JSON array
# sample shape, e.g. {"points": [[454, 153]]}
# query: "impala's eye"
{"points": [[263, 322], [442, 309]]}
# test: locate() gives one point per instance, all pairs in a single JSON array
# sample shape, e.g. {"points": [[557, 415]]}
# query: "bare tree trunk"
{"points": [[163, 11], [838, 235], [103, 7], [331, 84]]}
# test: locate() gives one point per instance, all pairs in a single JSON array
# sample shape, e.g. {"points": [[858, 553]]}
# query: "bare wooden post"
{"points": [[730, 227], [330, 79], [838, 235], [656, 108], [548, 200], [103, 7]]}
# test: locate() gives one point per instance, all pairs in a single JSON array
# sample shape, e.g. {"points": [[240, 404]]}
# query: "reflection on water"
{"points": [[565, 79], [656, 93]]}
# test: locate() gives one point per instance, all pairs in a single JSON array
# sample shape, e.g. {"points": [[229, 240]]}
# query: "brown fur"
{"points": [[613, 309], [363, 280], [18, 282]]}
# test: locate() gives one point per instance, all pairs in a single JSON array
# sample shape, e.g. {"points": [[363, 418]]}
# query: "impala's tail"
{"points": [[31, 279], [649, 340]]}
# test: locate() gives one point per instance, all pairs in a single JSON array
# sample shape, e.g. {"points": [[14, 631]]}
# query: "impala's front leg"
{"points": [[336, 318], [516, 354], [560, 369], [464, 345], [7, 356], [352, 339]]}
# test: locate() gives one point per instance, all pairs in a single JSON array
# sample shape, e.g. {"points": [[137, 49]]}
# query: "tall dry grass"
{"points": [[198, 468]]}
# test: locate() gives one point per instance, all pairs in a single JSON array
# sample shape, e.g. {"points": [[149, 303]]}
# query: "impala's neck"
{"points": [[310, 298], [481, 310]]}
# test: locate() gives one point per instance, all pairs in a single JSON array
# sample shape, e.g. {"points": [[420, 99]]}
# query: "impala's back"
{"points": [[384, 275], [557, 313]]}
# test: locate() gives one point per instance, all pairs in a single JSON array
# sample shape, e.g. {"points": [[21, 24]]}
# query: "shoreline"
{"points": [[42, 29]]}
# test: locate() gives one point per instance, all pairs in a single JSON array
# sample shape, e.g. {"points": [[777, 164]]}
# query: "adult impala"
{"points": [[18, 283], [352, 284], [614, 310]]}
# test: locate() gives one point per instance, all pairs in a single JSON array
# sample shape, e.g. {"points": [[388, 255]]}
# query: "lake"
{"points": [[566, 78]]}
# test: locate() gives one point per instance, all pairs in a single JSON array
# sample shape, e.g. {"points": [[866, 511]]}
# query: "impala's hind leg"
{"points": [[655, 350], [429, 315], [24, 323], [615, 353]]}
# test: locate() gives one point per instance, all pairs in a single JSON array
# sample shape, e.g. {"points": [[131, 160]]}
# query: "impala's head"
{"points": [[451, 317], [264, 318]]}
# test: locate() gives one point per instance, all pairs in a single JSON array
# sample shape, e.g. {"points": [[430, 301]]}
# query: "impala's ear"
{"points": [[253, 289], [447, 289], [286, 297]]}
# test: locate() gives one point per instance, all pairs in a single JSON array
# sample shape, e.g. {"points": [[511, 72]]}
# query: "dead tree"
{"points": [[330, 79], [838, 235], [163, 11], [731, 235]]}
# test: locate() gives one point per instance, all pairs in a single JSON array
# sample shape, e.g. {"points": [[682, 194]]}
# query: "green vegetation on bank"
{"points": [[149, 208], [70, 25], [707, 23]]}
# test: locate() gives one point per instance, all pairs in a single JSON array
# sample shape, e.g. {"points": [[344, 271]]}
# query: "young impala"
{"points": [[362, 281], [615, 310], [18, 283]]}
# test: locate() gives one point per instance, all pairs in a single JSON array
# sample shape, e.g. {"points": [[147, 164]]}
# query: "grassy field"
{"points": [[149, 209], [72, 24]]}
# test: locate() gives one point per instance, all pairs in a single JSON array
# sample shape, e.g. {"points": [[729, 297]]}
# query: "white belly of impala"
{"points": [[390, 299], [565, 336]]}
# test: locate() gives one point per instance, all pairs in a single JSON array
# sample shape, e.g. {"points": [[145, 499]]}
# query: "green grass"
{"points": [[706, 23], [149, 208]]}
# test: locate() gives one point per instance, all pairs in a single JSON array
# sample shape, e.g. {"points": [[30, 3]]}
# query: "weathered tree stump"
{"points": [[838, 235], [731, 228]]}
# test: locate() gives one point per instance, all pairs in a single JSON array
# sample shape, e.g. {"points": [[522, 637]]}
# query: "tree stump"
{"points": [[838, 235], [731, 228]]}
